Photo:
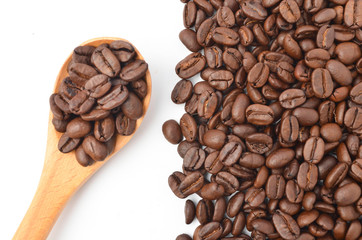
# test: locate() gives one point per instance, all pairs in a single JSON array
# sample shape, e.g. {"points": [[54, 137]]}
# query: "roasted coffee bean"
{"points": [[254, 10], [225, 36], [213, 57], [67, 144], [192, 183], [230, 153], [106, 62], [255, 196], [352, 14], [124, 125], [182, 91], [239, 224], [313, 150], [81, 103], [306, 116], [258, 75], [339, 72], [352, 118], [194, 159], [317, 58], [78, 128], [275, 186], [132, 107], [79, 73], [123, 50], [221, 79], [285, 225], [259, 114], [204, 211], [235, 204], [307, 176], [225, 17], [189, 14], [94, 148], [190, 211], [210, 231], [228, 181], [259, 143], [174, 181], [188, 127], [104, 129], [325, 37], [219, 210], [212, 191], [172, 131], [232, 59], [251, 160], [188, 38], [348, 52], [183, 237], [191, 65], [322, 83], [98, 85], [292, 48], [82, 157], [116, 96], [336, 175], [246, 36], [207, 104], [289, 129], [292, 98], [279, 158]]}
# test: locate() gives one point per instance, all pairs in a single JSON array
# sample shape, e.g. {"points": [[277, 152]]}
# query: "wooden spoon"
{"points": [[62, 175]]}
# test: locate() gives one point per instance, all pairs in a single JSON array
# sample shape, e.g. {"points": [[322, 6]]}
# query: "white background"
{"points": [[129, 197]]}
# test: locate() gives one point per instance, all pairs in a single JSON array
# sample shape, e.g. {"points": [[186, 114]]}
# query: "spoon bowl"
{"points": [[62, 175]]}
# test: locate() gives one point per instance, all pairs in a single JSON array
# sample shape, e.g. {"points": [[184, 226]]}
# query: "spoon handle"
{"points": [[50, 198]]}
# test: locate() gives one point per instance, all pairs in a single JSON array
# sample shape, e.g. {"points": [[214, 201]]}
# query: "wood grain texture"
{"points": [[62, 176]]}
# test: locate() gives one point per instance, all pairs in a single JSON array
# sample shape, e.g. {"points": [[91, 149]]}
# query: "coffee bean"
{"points": [[79, 73], [174, 181], [188, 38], [204, 34], [285, 225], [225, 36], [279, 158], [192, 183], [210, 231], [352, 16], [189, 14], [254, 196], [190, 66], [352, 118], [259, 114], [104, 129], [254, 10], [183, 237], [78, 128], [322, 83], [307, 176], [339, 72], [232, 59], [292, 98], [123, 50], [116, 96], [106, 62], [348, 52], [259, 143], [67, 144], [182, 91], [82, 158], [212, 191], [275, 186], [228, 181], [317, 58], [172, 131], [124, 125], [230, 153], [258, 75], [219, 210]]}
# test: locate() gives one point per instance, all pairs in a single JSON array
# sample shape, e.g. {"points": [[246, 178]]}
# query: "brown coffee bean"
{"points": [[221, 79], [339, 72], [191, 65], [104, 129], [259, 114], [225, 36], [192, 183], [174, 181], [190, 211], [275, 186], [285, 225], [172, 131], [219, 210], [94, 148], [322, 83], [188, 38], [279, 158], [292, 48], [307, 176], [254, 196], [258, 75], [212, 191], [254, 10], [317, 58], [228, 181], [336, 175], [189, 14], [259, 143], [188, 127], [313, 150], [292, 98], [352, 14], [210, 231]]}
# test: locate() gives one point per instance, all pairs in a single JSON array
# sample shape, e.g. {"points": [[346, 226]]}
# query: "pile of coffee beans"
{"points": [[271, 137], [102, 95]]}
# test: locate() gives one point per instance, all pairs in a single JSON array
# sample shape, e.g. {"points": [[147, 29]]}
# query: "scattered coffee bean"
{"points": [[273, 132]]}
